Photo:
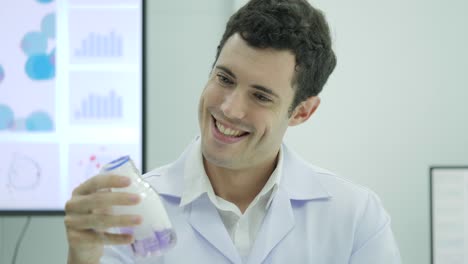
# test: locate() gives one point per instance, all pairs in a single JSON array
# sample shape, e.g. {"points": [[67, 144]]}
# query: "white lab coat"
{"points": [[315, 217]]}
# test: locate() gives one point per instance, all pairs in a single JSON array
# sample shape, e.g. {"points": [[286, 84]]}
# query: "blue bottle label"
{"points": [[117, 163]]}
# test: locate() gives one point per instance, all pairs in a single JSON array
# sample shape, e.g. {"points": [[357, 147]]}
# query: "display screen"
{"points": [[449, 189], [71, 91]]}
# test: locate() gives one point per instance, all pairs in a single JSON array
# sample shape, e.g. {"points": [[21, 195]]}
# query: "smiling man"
{"points": [[244, 115], [238, 194]]}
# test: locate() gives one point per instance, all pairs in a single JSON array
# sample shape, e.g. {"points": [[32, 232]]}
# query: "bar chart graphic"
{"points": [[100, 107], [101, 45]]}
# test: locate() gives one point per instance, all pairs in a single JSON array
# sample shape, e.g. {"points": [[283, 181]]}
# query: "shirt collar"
{"points": [[302, 182], [273, 182], [196, 182]]}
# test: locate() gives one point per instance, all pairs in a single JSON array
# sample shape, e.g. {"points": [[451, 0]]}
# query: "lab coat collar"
{"points": [[202, 211], [278, 222], [299, 179]]}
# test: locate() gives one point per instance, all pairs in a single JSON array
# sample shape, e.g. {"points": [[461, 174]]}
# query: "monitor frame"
{"points": [[46, 212]]}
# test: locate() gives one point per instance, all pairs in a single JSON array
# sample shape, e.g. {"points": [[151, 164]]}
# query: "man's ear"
{"points": [[304, 110]]}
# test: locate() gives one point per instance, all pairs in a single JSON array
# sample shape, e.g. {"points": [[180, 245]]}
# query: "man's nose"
{"points": [[234, 105]]}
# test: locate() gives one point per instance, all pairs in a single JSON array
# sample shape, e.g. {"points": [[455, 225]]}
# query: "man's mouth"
{"points": [[228, 131]]}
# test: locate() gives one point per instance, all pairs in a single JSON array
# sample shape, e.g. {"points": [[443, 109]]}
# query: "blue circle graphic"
{"points": [[2, 74], [6, 117], [34, 43], [40, 67], [45, 1], [39, 121], [48, 25]]}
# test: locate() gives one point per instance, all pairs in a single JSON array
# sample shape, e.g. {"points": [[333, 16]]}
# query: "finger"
{"points": [[116, 239], [85, 204], [101, 182], [102, 211], [92, 238], [100, 222]]}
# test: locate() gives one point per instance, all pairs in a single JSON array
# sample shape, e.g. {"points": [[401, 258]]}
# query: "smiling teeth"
{"points": [[228, 131]]}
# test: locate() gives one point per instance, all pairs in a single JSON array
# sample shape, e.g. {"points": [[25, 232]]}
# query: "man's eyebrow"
{"points": [[265, 90], [256, 86], [225, 69]]}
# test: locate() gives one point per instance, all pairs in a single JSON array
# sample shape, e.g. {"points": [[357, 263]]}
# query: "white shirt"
{"points": [[242, 228]]}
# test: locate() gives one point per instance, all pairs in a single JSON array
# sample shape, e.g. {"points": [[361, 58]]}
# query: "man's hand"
{"points": [[87, 217]]}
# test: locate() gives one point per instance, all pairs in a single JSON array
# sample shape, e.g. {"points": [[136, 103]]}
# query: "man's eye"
{"points": [[224, 80], [262, 98]]}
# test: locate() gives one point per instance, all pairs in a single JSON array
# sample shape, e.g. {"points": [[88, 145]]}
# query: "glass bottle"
{"points": [[155, 235]]}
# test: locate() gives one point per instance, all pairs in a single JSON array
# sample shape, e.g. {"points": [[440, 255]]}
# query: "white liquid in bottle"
{"points": [[155, 235]]}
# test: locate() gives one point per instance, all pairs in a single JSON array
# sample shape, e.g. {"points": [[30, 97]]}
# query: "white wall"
{"points": [[44, 241], [182, 45], [396, 104]]}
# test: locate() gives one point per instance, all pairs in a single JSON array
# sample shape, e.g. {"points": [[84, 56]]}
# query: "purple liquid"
{"points": [[156, 244]]}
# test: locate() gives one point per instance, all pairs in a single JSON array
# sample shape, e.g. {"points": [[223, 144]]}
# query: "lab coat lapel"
{"points": [[278, 221], [205, 219]]}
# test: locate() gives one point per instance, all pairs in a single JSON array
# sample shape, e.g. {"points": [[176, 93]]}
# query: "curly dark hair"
{"points": [[288, 25]]}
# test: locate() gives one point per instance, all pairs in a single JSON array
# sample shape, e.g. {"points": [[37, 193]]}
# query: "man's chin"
{"points": [[218, 160]]}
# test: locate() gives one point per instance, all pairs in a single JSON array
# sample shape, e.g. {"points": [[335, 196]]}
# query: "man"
{"points": [[237, 195]]}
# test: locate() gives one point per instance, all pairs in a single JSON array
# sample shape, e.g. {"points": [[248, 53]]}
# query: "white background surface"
{"points": [[396, 104]]}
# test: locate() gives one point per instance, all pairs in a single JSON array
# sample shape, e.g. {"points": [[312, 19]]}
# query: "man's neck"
{"points": [[239, 186]]}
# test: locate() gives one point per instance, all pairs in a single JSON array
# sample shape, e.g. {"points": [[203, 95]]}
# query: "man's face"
{"points": [[243, 110]]}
